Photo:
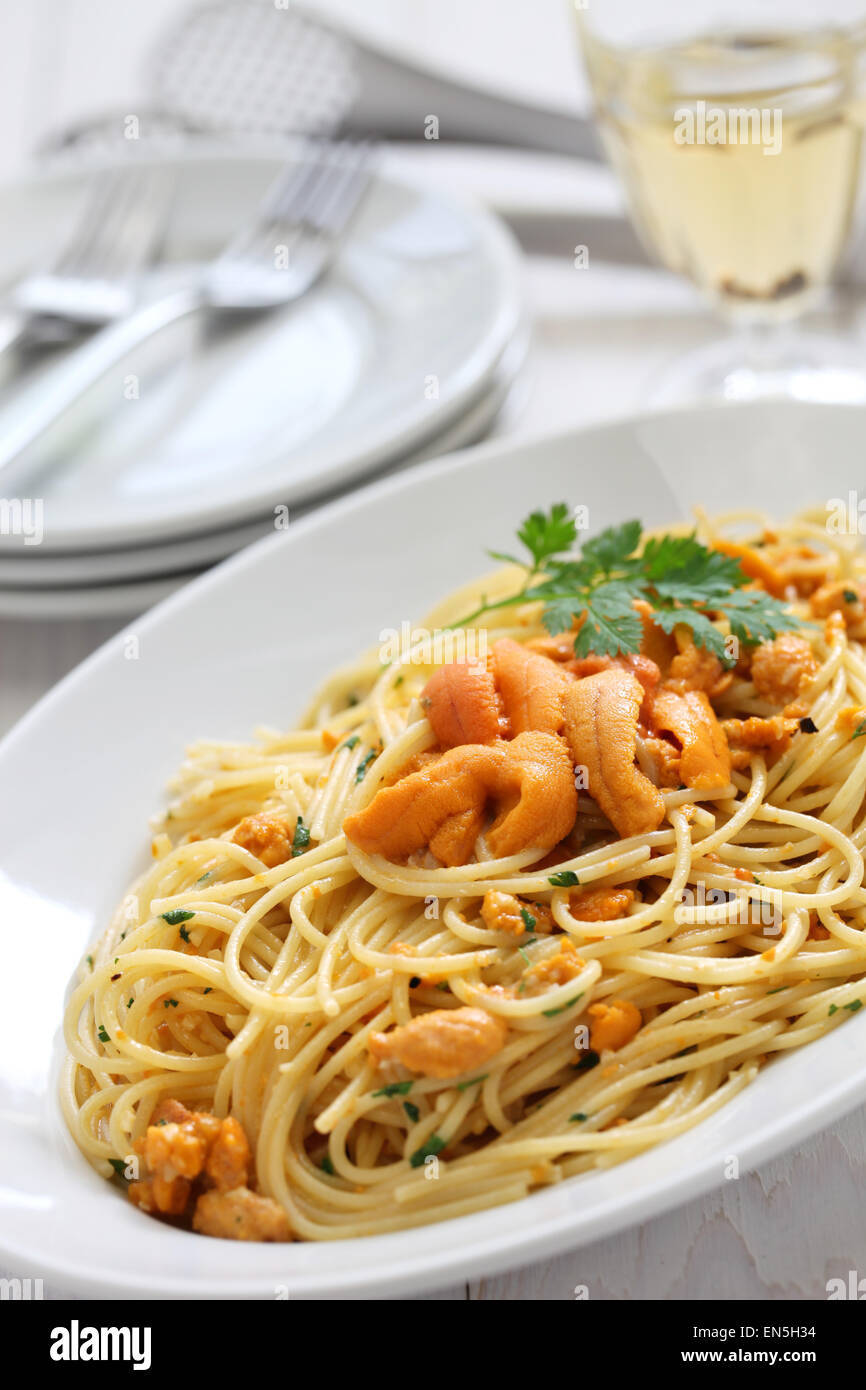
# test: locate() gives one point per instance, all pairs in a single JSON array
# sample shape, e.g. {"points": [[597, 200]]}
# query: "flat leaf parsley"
{"points": [[682, 580]]}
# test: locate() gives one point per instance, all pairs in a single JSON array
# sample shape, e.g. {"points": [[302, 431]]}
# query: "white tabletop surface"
{"points": [[600, 337]]}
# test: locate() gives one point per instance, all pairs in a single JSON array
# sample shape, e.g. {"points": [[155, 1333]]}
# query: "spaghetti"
{"points": [[250, 989]]}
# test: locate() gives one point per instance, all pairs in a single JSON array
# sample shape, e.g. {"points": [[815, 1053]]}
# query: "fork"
{"points": [[93, 280], [290, 244]]}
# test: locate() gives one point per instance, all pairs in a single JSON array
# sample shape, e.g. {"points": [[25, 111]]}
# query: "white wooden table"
{"points": [[600, 336]]}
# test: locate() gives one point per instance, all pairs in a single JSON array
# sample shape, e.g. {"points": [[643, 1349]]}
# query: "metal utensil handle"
{"points": [[49, 399]]}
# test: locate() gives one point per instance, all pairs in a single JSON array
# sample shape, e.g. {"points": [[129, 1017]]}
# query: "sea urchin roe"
{"points": [[532, 688], [192, 1155], [705, 761], [601, 719], [266, 835], [462, 705], [505, 912], [528, 783], [443, 1043], [613, 1025], [600, 904], [781, 668]]}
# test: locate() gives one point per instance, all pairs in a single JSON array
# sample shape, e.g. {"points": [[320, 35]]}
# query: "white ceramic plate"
{"points": [[93, 584], [383, 354], [84, 770], [31, 567]]}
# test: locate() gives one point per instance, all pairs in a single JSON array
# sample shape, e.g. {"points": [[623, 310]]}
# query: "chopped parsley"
{"points": [[302, 838], [397, 1088], [854, 1005], [474, 1081], [102, 1034], [527, 918], [90, 961], [208, 989], [352, 742], [435, 1144], [849, 595], [412, 1111], [327, 1166], [684, 583], [208, 873], [777, 990], [176, 915], [859, 731], [578, 1118], [550, 1013], [184, 934], [119, 1166], [361, 769], [567, 879], [169, 1003]]}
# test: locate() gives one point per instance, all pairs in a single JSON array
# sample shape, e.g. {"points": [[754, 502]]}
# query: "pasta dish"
{"points": [[527, 891]]}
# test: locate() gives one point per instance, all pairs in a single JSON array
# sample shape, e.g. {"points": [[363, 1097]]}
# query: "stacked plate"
{"points": [[207, 441]]}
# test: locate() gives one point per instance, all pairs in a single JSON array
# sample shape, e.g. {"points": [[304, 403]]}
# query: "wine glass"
{"points": [[736, 130]]}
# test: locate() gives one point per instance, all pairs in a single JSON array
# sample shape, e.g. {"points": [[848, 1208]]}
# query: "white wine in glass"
{"points": [[739, 148]]}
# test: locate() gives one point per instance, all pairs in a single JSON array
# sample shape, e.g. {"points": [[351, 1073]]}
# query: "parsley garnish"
{"points": [[578, 1118], [169, 1003], [119, 1166], [859, 731], [474, 1081], [412, 1111], [854, 1005], [101, 1034], [833, 1009], [208, 989], [683, 581], [549, 1013], [849, 595], [176, 915], [184, 934], [352, 742], [528, 919], [397, 1088], [435, 1144], [327, 1165], [361, 769], [567, 879], [302, 838]]}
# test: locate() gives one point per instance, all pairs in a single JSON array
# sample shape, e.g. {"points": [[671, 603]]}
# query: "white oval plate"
{"points": [[94, 584], [385, 352], [246, 645]]}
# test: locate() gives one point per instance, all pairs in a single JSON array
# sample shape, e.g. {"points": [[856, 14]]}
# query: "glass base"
{"points": [[769, 365]]}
